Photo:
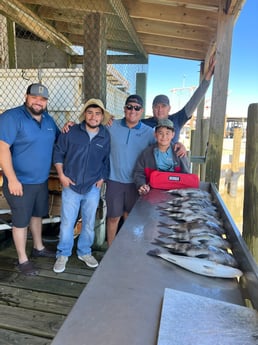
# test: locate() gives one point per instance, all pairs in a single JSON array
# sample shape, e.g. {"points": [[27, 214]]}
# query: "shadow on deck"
{"points": [[34, 308]]}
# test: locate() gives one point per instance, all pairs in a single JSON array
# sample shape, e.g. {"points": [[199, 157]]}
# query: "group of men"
{"points": [[85, 157]]}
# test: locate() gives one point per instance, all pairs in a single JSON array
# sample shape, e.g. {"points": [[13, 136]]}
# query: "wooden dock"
{"points": [[34, 308]]}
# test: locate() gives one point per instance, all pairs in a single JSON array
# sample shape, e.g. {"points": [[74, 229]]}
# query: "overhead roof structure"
{"points": [[133, 29], [184, 29]]}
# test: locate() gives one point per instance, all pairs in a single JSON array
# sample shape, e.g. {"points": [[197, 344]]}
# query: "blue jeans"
{"points": [[72, 202]]}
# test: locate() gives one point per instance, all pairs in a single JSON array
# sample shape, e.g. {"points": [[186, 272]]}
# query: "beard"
{"points": [[91, 126], [35, 112]]}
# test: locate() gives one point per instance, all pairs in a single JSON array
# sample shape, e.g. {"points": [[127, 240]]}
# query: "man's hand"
{"points": [[110, 121], [67, 126], [144, 189], [180, 149], [65, 181], [15, 187], [99, 183]]}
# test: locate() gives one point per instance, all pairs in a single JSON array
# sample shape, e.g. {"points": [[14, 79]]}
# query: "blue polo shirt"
{"points": [[126, 145], [31, 143]]}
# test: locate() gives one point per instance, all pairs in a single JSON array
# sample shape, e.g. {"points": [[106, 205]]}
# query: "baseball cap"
{"points": [[165, 123], [99, 103], [134, 99], [37, 90], [161, 99]]}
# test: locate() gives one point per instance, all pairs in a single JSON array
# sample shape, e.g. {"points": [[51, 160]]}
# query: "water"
{"points": [[235, 206]]}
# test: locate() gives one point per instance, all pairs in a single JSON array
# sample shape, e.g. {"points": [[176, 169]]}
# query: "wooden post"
{"points": [[11, 44], [250, 215], [236, 149], [237, 135], [4, 52], [196, 143], [204, 142], [95, 60], [219, 96], [141, 80]]}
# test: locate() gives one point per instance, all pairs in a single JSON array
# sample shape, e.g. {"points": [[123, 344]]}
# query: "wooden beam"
{"points": [[174, 52], [191, 32], [201, 18], [115, 59], [219, 97], [172, 42], [234, 7], [20, 14], [210, 5], [100, 6]]}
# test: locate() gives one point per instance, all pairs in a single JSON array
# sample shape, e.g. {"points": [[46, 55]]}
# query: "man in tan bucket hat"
{"points": [[81, 158], [99, 103]]}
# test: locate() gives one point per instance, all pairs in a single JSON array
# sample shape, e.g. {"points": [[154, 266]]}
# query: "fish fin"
{"points": [[160, 242], [163, 225], [163, 234]]}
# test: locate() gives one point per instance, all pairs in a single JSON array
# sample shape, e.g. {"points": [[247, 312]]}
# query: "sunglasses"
{"points": [[135, 107]]}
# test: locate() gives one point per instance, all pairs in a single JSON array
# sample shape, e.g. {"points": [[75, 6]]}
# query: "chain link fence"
{"points": [[74, 48], [62, 47]]}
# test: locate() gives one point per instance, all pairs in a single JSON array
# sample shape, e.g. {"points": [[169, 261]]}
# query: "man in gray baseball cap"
{"points": [[27, 137], [161, 106], [37, 90]]}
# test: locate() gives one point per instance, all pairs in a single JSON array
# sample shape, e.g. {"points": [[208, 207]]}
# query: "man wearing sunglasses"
{"points": [[129, 137]]}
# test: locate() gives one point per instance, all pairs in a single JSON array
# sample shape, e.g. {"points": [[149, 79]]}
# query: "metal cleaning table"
{"points": [[122, 303]]}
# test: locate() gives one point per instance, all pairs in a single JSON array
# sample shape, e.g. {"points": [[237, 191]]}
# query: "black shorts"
{"points": [[120, 198], [33, 203]]}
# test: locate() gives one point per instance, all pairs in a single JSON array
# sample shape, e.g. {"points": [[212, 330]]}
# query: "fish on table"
{"points": [[188, 216], [199, 265], [191, 208], [193, 246], [197, 237], [190, 192], [181, 201], [192, 226]]}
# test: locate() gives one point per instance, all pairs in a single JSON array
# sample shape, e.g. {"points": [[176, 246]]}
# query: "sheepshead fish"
{"points": [[200, 266], [201, 238], [192, 208], [186, 235], [191, 226], [190, 192], [202, 203], [205, 239], [188, 216], [211, 240], [200, 251]]}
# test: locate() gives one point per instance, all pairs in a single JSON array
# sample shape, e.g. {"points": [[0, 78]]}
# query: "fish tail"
{"points": [[154, 252]]}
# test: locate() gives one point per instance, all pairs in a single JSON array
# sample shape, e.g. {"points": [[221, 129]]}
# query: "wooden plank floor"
{"points": [[32, 309]]}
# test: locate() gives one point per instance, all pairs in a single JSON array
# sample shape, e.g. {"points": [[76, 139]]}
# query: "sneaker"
{"points": [[27, 268], [89, 260], [43, 253], [60, 263]]}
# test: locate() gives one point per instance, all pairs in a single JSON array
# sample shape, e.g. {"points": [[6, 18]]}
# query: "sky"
{"points": [[167, 74]]}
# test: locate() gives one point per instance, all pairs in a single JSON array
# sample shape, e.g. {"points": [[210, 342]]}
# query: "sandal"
{"points": [[27, 268]]}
